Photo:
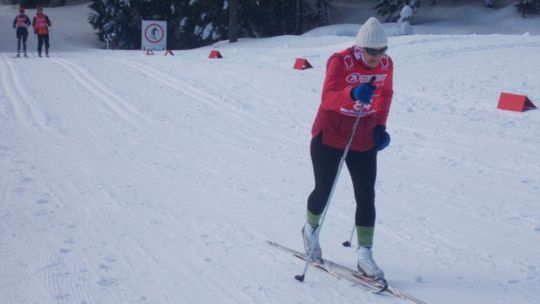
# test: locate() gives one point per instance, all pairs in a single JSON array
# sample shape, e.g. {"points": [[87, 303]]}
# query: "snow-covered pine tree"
{"points": [[193, 23], [389, 9], [528, 7], [190, 23], [208, 21], [267, 18], [317, 12], [278, 17], [117, 20]]}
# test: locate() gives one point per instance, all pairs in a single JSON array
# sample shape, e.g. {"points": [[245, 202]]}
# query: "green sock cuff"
{"points": [[313, 219], [365, 235]]}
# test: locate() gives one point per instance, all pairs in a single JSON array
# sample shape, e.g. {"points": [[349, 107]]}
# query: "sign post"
{"points": [[154, 35]]}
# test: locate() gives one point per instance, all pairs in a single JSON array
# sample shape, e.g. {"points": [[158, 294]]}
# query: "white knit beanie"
{"points": [[371, 35]]}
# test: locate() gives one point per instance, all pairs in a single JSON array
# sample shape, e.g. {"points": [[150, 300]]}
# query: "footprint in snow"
{"points": [[43, 212], [106, 282], [42, 201], [26, 180], [61, 297]]}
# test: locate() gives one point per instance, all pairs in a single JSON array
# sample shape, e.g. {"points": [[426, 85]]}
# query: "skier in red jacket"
{"points": [[358, 83], [21, 24], [41, 25]]}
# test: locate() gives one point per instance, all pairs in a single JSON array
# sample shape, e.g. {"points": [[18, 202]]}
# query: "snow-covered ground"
{"points": [[127, 178]]}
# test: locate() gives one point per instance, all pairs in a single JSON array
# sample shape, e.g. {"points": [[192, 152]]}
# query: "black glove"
{"points": [[382, 138]]}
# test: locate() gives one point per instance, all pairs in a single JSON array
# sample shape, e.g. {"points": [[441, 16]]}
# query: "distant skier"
{"points": [[41, 25], [358, 83], [21, 24]]}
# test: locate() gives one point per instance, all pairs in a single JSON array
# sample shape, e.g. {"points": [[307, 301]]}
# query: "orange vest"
{"points": [[41, 24], [22, 21]]}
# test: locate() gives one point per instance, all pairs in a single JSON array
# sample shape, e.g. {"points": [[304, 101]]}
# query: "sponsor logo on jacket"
{"points": [[356, 77], [358, 109]]}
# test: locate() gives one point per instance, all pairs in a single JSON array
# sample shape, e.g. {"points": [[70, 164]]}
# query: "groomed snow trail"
{"points": [[127, 178]]}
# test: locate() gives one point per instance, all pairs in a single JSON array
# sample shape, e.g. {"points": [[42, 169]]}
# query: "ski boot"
{"points": [[366, 264], [311, 242]]}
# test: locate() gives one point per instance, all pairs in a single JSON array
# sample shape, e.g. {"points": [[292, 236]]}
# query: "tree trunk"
{"points": [[299, 17], [325, 18], [233, 21]]}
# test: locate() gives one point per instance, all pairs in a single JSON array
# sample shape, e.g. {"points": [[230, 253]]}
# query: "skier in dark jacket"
{"points": [[21, 23], [41, 25]]}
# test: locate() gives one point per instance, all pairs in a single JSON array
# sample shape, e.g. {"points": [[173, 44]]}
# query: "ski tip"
{"points": [[384, 285], [299, 278], [346, 244]]}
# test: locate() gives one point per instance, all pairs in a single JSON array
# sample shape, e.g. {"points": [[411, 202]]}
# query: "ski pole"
{"points": [[323, 216], [315, 235], [348, 243]]}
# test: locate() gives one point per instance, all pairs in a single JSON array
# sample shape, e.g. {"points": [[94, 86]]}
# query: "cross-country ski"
{"points": [[350, 275]]}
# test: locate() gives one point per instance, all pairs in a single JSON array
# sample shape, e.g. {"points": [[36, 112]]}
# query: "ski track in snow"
{"points": [[21, 103], [116, 103], [198, 83], [182, 87]]}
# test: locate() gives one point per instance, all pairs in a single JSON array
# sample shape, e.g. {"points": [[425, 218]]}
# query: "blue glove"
{"points": [[363, 93], [382, 138]]}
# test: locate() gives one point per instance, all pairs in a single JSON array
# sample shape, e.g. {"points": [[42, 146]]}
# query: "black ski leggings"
{"points": [[22, 36], [363, 170], [43, 39]]}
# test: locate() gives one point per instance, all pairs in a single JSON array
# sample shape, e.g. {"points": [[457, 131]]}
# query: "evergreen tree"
{"points": [[193, 23], [389, 9], [316, 12], [277, 17], [209, 21], [34, 3], [489, 3], [266, 18], [233, 21], [528, 7], [116, 20]]}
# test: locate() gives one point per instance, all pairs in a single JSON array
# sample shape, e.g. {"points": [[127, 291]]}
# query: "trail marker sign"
{"points": [[302, 64], [514, 102], [154, 35], [215, 54]]}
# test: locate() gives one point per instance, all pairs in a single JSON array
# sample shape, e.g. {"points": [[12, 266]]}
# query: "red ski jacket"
{"points": [[337, 112]]}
